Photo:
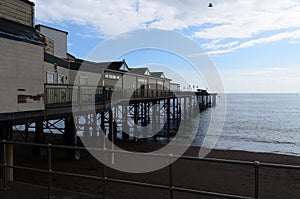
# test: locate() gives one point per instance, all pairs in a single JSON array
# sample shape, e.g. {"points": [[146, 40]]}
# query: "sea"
{"points": [[257, 122]]}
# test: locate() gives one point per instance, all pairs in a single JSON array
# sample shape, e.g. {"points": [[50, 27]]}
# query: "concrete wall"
{"points": [[112, 82], [21, 76], [92, 78], [129, 81], [48, 67], [152, 83], [17, 11], [59, 39], [166, 84], [174, 87]]}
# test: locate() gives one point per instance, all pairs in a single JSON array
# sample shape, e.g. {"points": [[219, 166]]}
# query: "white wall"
{"points": [[59, 38], [21, 76]]}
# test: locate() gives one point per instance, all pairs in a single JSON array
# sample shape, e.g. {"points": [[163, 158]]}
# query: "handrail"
{"points": [[256, 165], [63, 94]]}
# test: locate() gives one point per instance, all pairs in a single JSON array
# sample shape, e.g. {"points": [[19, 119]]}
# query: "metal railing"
{"points": [[256, 165], [66, 95]]}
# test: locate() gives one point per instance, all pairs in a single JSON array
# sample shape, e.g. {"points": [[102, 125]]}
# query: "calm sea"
{"points": [[259, 123]]}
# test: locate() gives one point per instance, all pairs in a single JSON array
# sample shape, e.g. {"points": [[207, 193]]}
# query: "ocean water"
{"points": [[258, 123]]}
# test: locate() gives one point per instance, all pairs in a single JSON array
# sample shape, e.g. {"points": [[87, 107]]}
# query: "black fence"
{"points": [[256, 165]]}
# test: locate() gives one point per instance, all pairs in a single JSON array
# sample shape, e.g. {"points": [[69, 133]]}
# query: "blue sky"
{"points": [[254, 45]]}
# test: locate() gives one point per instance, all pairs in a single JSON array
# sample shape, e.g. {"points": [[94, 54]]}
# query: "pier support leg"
{"points": [[86, 128], [70, 137], [39, 137], [110, 122], [26, 132], [102, 134], [136, 115], [168, 114], [125, 128], [154, 120]]}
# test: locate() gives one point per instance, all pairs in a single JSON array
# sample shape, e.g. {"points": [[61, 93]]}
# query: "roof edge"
{"points": [[40, 25]]}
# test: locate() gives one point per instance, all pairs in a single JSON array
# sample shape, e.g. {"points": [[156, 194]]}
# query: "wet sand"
{"points": [[208, 176]]}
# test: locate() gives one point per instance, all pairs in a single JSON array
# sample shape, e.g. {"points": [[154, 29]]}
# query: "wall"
{"points": [[129, 81], [58, 37], [17, 11], [21, 76], [92, 77], [60, 70]]}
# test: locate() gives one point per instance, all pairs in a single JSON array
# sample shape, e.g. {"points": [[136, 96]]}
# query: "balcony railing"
{"points": [[66, 95]]}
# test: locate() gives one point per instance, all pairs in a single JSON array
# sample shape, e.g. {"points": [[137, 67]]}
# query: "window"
{"points": [[111, 76], [142, 80], [50, 77], [60, 79], [83, 80]]}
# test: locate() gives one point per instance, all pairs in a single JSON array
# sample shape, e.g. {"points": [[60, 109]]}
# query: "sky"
{"points": [[253, 44]]}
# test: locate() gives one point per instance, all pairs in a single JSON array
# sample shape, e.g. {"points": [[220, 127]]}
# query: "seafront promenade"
{"points": [[223, 174]]}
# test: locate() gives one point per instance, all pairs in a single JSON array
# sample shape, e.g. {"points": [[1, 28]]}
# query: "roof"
{"points": [[55, 60], [116, 65], [158, 74], [138, 71], [87, 66], [28, 2], [38, 27], [19, 32]]}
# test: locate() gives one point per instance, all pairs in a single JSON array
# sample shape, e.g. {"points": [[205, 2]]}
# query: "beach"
{"points": [[202, 175]]}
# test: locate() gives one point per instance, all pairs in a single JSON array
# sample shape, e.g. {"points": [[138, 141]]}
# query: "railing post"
{"points": [[256, 167], [4, 166], [50, 170], [79, 95], [171, 187], [104, 175], [45, 96]]}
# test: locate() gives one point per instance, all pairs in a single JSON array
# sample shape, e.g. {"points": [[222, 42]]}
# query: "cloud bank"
{"points": [[228, 26]]}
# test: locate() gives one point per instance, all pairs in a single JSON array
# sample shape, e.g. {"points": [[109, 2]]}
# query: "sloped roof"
{"points": [[19, 32], [116, 65], [28, 2], [138, 71], [55, 60], [158, 74], [88, 66]]}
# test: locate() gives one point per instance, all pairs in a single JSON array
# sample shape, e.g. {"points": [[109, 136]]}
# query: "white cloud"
{"points": [[262, 80], [285, 35], [233, 19]]}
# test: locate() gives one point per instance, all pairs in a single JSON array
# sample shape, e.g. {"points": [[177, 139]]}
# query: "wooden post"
{"points": [[154, 120], [102, 125], [136, 115], [26, 132], [184, 107], [86, 127], [125, 128], [10, 161], [70, 137], [95, 136], [110, 122], [39, 137], [168, 114], [6, 130]]}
